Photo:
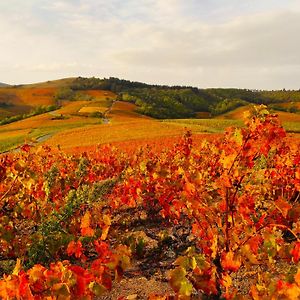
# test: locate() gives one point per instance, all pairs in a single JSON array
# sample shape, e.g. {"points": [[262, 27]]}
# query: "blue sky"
{"points": [[205, 43]]}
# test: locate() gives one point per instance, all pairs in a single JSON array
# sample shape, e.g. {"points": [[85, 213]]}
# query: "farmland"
{"points": [[191, 213], [104, 200], [78, 117]]}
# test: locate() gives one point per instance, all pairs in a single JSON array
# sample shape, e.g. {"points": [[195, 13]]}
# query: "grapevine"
{"points": [[238, 195]]}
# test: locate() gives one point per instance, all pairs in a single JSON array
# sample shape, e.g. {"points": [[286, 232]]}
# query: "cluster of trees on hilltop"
{"points": [[166, 103], [112, 84], [161, 101]]}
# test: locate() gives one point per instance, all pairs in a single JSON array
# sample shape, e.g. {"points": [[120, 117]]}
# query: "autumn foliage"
{"points": [[239, 194]]}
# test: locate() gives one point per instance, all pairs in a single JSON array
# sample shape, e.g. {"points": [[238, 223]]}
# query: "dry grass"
{"points": [[72, 107], [53, 83], [108, 133], [92, 109], [125, 125], [288, 117], [126, 112], [236, 114], [239, 114], [28, 97], [100, 95]]}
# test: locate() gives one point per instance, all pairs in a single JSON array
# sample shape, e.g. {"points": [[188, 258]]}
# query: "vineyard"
{"points": [[226, 208]]}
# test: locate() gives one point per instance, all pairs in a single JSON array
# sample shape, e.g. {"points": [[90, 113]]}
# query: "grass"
{"points": [[53, 83], [95, 106], [4, 113], [205, 125], [219, 125], [10, 142], [292, 127], [31, 129], [65, 118]]}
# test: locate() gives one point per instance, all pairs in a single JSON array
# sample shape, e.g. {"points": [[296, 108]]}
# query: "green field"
{"points": [[219, 125]]}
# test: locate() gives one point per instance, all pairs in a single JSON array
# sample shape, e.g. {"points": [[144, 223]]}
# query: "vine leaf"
{"points": [[229, 262], [86, 230]]}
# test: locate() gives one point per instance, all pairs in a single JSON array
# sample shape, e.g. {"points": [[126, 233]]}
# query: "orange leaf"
{"points": [[86, 230], [189, 188], [229, 263], [297, 277], [283, 206]]}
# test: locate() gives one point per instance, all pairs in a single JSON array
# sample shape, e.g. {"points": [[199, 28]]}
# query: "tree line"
{"points": [[161, 101]]}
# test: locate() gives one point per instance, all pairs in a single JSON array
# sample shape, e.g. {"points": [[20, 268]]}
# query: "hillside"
{"points": [[160, 101], [3, 84], [157, 101], [84, 112]]}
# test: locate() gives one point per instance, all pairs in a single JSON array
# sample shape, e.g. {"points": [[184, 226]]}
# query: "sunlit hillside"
{"points": [[76, 113]]}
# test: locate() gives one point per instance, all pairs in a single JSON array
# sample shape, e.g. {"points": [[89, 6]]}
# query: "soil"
{"points": [[155, 244]]}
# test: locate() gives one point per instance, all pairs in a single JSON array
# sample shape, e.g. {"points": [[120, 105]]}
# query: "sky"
{"points": [[205, 43]]}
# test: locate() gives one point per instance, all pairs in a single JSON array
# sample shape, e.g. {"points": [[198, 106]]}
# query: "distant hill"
{"points": [[157, 101], [3, 84], [167, 102]]}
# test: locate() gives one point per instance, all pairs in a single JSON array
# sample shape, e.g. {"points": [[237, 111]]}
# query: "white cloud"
{"points": [[204, 43]]}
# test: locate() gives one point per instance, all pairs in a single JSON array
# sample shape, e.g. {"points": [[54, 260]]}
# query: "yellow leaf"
{"points": [[17, 268], [105, 231], [86, 230], [214, 247], [227, 160], [297, 277], [238, 137], [62, 291], [179, 282], [226, 281], [36, 272], [246, 251], [293, 292], [97, 288], [107, 219]]}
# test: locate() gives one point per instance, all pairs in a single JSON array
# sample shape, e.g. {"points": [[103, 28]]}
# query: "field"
{"points": [[102, 202], [189, 211], [81, 123], [72, 114]]}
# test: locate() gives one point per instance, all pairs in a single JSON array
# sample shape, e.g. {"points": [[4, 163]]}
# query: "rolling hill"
{"points": [[84, 112]]}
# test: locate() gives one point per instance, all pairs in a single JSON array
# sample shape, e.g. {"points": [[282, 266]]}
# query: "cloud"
{"points": [[205, 43], [52, 67], [265, 40]]}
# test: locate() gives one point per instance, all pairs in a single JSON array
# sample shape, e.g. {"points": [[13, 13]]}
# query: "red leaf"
{"points": [[75, 248], [296, 252], [25, 148]]}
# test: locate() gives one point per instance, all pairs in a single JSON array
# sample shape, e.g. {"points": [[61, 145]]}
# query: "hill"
{"points": [[160, 101], [3, 84], [85, 112], [157, 101]]}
